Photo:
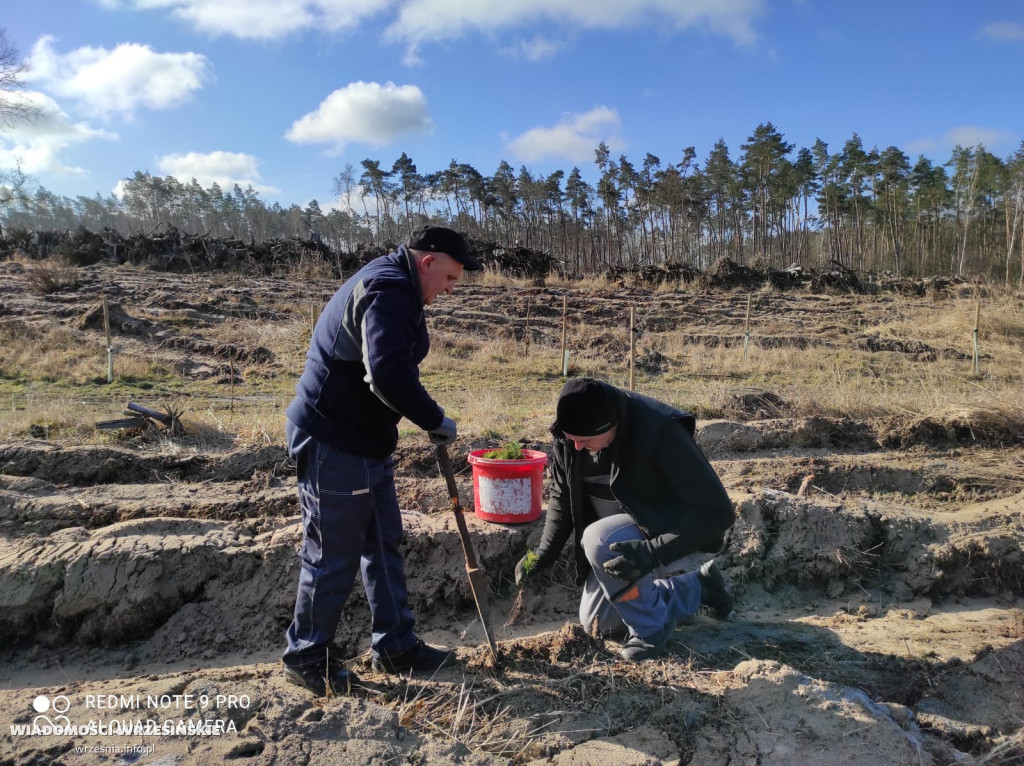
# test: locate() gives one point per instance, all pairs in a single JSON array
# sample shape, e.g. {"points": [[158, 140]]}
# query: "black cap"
{"points": [[587, 407], [439, 239]]}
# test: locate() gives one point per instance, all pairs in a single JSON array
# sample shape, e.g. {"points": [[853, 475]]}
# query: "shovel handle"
{"points": [[477, 579], [445, 461]]}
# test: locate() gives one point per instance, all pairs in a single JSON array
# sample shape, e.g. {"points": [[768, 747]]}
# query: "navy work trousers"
{"points": [[350, 520]]}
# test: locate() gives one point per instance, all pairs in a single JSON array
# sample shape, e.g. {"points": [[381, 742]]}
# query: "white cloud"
{"points": [[423, 20], [418, 21], [262, 19], [574, 138], [964, 135], [1003, 31], [536, 48], [360, 199], [37, 144], [366, 113], [972, 135], [224, 168], [121, 80]]}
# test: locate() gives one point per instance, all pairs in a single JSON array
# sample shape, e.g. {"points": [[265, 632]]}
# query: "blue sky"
{"points": [[282, 94]]}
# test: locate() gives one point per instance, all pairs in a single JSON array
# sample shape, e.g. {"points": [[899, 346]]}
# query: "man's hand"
{"points": [[526, 567], [444, 434], [635, 559]]}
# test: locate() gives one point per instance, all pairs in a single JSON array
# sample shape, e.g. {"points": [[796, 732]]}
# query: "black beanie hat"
{"points": [[587, 407], [439, 239]]}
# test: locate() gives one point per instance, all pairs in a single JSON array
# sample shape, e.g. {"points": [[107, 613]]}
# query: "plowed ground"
{"points": [[877, 568]]}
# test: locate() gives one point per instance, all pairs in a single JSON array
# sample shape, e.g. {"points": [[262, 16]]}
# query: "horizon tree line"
{"points": [[773, 205]]}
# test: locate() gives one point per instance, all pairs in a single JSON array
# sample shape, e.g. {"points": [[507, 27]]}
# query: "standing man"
{"points": [[361, 378], [632, 485]]}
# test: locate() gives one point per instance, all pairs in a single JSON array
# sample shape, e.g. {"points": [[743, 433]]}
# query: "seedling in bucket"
{"points": [[507, 490], [510, 451]]}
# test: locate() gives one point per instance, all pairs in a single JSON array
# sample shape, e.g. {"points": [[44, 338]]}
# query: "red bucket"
{"points": [[508, 491]]}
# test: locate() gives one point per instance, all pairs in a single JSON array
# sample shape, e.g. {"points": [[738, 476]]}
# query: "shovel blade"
{"points": [[480, 587]]}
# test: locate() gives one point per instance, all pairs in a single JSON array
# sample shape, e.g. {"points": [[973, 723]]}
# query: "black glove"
{"points": [[444, 434], [635, 559]]}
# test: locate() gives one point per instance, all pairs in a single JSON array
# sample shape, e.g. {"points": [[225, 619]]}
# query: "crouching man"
{"points": [[636, 492]]}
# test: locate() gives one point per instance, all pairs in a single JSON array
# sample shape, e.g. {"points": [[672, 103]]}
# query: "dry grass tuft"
{"points": [[52, 275], [1009, 751], [481, 724], [313, 267], [498, 715], [997, 423], [492, 277], [596, 284]]}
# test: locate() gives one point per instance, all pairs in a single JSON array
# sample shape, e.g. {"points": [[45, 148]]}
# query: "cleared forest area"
{"points": [[877, 559], [770, 205]]}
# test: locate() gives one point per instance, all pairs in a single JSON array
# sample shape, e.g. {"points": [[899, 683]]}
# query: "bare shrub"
{"points": [[312, 267], [52, 275]]}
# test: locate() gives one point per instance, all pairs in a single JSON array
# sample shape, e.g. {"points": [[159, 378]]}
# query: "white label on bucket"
{"points": [[505, 497]]}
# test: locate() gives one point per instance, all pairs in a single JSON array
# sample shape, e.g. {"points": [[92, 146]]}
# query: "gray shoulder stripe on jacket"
{"points": [[348, 344]]}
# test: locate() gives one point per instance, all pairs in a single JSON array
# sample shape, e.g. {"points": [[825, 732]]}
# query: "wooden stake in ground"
{"points": [[632, 346], [314, 316], [977, 325], [526, 330], [110, 348], [565, 351], [746, 330]]}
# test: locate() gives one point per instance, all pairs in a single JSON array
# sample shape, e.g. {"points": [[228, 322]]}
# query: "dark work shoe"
{"points": [[322, 678], [713, 594], [637, 648], [421, 658], [618, 633]]}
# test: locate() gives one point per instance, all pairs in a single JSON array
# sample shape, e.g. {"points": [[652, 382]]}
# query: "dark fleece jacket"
{"points": [[659, 476]]}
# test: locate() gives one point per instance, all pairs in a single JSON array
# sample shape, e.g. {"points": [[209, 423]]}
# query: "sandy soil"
{"points": [[878, 572]]}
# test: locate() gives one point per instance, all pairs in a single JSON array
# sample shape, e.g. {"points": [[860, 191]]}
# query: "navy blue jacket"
{"points": [[362, 369]]}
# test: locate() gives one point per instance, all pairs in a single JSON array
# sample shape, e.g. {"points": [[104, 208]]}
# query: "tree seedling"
{"points": [[510, 451], [529, 564]]}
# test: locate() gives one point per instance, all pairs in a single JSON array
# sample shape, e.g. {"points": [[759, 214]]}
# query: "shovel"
{"points": [[477, 578]]}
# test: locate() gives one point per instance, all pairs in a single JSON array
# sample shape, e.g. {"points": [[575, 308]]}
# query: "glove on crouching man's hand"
{"points": [[527, 567], [635, 559], [444, 434]]}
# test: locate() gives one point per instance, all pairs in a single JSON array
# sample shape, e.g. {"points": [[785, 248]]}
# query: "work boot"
{"points": [[321, 678], [617, 633], [713, 594], [421, 658], [637, 648]]}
